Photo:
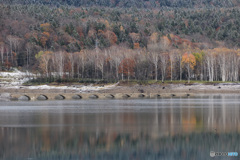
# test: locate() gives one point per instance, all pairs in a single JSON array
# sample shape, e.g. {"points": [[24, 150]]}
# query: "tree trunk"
{"points": [[116, 71], [171, 71], [156, 72], [188, 72]]}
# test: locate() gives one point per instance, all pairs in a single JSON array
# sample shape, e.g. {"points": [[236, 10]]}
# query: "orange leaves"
{"points": [[100, 31], [111, 36], [127, 67], [47, 34], [166, 41], [136, 46], [80, 32], [135, 36], [43, 41], [222, 50], [48, 52], [188, 58], [45, 27], [8, 64]]}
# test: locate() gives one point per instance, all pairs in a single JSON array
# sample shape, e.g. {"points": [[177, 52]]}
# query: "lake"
{"points": [[134, 129]]}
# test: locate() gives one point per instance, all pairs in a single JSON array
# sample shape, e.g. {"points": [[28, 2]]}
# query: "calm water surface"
{"points": [[141, 129]]}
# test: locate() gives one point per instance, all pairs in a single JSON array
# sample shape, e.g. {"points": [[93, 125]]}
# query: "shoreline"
{"points": [[115, 88], [118, 92]]}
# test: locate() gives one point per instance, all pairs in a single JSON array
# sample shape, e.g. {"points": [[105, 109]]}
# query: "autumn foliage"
{"points": [[127, 67], [188, 58]]}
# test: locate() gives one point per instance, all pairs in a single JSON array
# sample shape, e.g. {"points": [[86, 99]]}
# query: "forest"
{"points": [[115, 40], [132, 3]]}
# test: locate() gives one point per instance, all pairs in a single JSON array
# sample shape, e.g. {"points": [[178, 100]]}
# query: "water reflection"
{"points": [[174, 128]]}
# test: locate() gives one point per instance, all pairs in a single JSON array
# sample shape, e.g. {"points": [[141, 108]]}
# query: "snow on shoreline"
{"points": [[15, 79], [80, 88]]}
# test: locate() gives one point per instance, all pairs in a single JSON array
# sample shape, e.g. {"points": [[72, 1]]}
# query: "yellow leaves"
{"points": [[188, 58], [165, 41], [154, 37], [106, 23], [42, 54], [122, 29], [199, 56], [37, 56], [223, 50]]}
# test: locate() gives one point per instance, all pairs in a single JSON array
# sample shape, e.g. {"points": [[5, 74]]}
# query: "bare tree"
{"points": [[116, 57], [164, 49], [71, 59], [172, 58], [29, 49], [179, 59], [59, 62], [10, 40], [154, 56], [2, 48], [222, 63], [101, 61], [164, 62], [209, 58], [45, 58]]}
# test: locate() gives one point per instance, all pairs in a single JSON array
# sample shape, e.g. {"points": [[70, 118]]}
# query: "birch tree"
{"points": [[154, 49]]}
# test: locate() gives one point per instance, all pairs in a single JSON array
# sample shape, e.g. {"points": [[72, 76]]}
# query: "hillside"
{"points": [[133, 3], [67, 42]]}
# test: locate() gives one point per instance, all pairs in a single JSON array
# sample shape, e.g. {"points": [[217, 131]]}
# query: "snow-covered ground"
{"points": [[16, 78], [80, 88]]}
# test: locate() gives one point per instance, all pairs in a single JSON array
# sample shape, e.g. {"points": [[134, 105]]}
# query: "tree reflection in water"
{"points": [[174, 128]]}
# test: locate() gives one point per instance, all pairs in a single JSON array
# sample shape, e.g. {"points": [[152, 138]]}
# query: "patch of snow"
{"points": [[80, 89], [14, 78]]}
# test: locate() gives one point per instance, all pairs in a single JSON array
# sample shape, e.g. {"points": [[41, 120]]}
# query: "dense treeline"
{"points": [[115, 63], [113, 44], [132, 3]]}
